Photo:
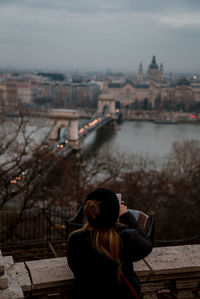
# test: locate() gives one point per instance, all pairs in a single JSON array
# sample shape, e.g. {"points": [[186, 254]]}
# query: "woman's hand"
{"points": [[122, 209]]}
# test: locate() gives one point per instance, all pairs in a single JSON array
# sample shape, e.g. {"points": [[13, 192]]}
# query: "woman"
{"points": [[102, 252]]}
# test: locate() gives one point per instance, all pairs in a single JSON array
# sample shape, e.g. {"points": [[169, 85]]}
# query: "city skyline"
{"points": [[100, 35]]}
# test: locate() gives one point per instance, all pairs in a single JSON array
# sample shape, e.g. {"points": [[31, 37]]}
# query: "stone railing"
{"points": [[168, 272]]}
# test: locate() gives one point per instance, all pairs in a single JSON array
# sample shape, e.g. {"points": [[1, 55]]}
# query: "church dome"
{"points": [[183, 82], [153, 65]]}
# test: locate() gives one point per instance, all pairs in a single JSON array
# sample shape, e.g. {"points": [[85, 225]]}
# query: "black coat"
{"points": [[95, 273]]}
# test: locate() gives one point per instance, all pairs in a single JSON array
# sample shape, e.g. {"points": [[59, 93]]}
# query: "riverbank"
{"points": [[180, 117], [142, 138]]}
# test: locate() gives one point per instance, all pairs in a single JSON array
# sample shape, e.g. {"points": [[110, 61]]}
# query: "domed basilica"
{"points": [[154, 91]]}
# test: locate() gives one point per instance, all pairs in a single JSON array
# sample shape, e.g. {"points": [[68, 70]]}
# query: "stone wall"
{"points": [[168, 272]]}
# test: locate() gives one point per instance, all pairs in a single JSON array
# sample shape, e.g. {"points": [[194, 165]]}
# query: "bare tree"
{"points": [[31, 175], [25, 162]]}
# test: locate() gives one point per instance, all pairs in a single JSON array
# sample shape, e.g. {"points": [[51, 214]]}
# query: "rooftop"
{"points": [[153, 64]]}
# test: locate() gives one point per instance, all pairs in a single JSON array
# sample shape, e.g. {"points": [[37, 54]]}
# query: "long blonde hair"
{"points": [[106, 241]]}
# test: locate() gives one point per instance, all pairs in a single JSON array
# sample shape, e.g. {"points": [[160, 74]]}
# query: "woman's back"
{"points": [[95, 271]]}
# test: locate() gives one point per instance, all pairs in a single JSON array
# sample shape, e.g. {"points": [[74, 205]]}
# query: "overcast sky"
{"points": [[100, 34]]}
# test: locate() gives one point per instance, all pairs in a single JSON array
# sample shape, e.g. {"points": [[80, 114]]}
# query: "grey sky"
{"points": [[100, 34]]}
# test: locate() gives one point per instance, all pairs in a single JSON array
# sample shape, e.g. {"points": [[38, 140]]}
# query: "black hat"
{"points": [[109, 208]]}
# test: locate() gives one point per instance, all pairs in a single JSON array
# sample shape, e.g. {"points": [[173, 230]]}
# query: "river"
{"points": [[141, 137], [133, 137]]}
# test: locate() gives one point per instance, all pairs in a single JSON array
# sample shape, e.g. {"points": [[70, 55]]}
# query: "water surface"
{"points": [[141, 137]]}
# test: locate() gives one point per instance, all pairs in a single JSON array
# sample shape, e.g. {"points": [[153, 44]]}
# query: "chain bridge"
{"points": [[67, 121]]}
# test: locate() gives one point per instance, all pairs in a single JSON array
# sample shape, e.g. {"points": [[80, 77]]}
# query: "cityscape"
{"points": [[148, 90], [99, 95]]}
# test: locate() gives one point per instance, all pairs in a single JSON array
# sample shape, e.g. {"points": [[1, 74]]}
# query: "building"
{"points": [[154, 72], [140, 74], [154, 92], [26, 92], [181, 96], [133, 95], [8, 93]]}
